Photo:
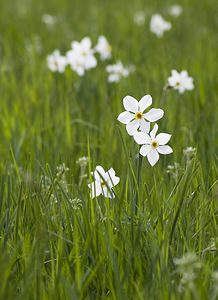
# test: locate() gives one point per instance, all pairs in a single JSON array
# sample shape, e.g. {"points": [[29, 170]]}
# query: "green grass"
{"points": [[102, 250]]}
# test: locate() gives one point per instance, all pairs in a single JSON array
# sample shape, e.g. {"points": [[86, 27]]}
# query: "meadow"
{"points": [[157, 238]]}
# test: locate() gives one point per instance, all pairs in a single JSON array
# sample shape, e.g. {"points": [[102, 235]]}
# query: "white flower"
{"points": [[158, 25], [104, 182], [134, 116], [103, 48], [153, 145], [81, 56], [117, 71], [56, 62], [180, 81], [49, 20], [175, 10], [139, 18]]}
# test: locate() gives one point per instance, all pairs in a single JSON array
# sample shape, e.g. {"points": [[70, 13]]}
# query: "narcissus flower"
{"points": [[56, 62], [158, 25], [81, 56], [153, 144], [104, 182], [180, 81], [103, 48], [134, 117]]}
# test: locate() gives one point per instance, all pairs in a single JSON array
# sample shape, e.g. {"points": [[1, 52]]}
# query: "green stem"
{"points": [[138, 182]]}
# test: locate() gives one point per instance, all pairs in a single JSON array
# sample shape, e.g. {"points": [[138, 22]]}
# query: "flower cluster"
{"points": [[137, 123], [81, 58]]}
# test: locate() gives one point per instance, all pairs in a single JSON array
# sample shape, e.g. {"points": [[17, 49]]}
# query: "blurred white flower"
{"points": [[175, 10], [49, 20], [103, 48], [117, 71], [139, 18], [158, 25], [180, 81], [56, 62], [81, 56], [103, 182], [153, 145], [134, 116]]}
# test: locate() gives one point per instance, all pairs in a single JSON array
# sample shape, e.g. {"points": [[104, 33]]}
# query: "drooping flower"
{"points": [[103, 182], [56, 62], [103, 48], [153, 145], [81, 56], [158, 25], [117, 71], [180, 81], [134, 117], [175, 10]]}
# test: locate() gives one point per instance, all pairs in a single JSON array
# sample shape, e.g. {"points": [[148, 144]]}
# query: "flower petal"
{"points": [[125, 117], [163, 138], [112, 178], [142, 138], [132, 127], [145, 102], [153, 157], [108, 193], [145, 126], [165, 149], [154, 131], [99, 173], [145, 149], [130, 104], [154, 114], [96, 189]]}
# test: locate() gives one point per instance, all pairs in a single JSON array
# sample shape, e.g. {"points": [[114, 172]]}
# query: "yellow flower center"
{"points": [[154, 144], [103, 183], [177, 83], [138, 115]]}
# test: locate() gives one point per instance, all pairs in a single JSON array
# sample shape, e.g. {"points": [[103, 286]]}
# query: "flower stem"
{"points": [[138, 182]]}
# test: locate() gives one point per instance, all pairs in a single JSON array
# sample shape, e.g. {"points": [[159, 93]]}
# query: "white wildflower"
{"points": [[180, 81], [158, 25], [153, 145], [103, 182], [134, 117]]}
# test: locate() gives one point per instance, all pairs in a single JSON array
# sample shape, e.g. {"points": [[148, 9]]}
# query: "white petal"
{"points": [[145, 149], [99, 173], [108, 193], [96, 189], [112, 178], [142, 138], [145, 102], [154, 114], [163, 138], [130, 104], [125, 117], [145, 126], [165, 149], [153, 157], [154, 131], [132, 127]]}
